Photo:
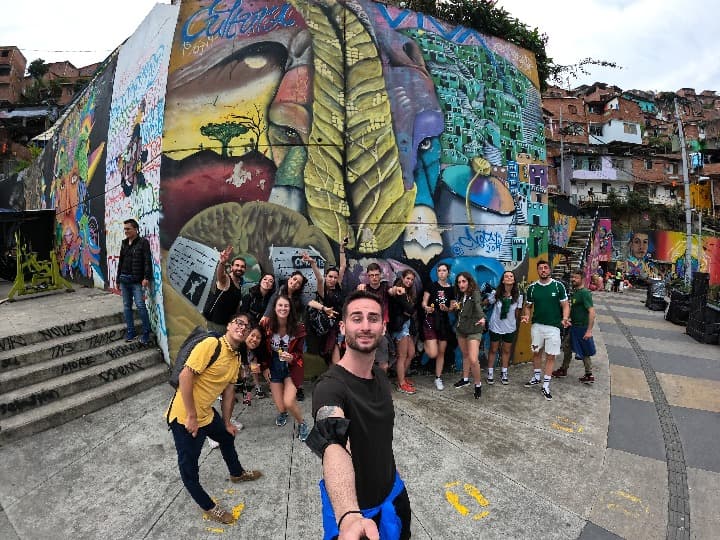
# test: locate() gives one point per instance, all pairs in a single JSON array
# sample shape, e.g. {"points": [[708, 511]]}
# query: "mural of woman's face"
{"points": [[639, 245]]}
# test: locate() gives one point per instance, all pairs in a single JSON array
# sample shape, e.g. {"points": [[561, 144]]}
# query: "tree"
{"points": [[254, 124], [38, 69], [485, 17], [223, 133]]}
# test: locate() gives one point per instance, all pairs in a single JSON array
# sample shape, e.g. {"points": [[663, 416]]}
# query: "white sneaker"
{"points": [[237, 424], [439, 384]]}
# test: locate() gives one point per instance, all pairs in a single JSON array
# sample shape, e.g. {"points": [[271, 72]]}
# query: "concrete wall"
{"points": [[282, 127]]}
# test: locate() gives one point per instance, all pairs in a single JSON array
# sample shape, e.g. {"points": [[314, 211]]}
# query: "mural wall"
{"points": [[282, 127], [651, 253], [134, 142]]}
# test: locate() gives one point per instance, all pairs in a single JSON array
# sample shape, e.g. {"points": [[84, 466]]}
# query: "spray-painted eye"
{"points": [[425, 144]]}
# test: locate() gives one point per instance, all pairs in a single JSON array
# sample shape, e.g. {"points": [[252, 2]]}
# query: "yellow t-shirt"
{"points": [[209, 383]]}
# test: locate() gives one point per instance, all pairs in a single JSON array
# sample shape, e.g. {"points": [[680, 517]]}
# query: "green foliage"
{"points": [[38, 69], [223, 133], [637, 201], [488, 18], [41, 92], [23, 164]]}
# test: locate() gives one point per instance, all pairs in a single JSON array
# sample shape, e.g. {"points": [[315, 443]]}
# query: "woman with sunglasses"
{"points": [[285, 340]]}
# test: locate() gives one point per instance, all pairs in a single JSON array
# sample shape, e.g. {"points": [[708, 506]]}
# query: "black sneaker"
{"points": [[300, 395], [478, 392], [547, 394], [259, 393], [532, 382], [490, 380], [461, 383], [504, 379]]}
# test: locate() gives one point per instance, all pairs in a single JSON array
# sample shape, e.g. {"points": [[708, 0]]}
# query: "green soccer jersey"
{"points": [[579, 305], [546, 298]]}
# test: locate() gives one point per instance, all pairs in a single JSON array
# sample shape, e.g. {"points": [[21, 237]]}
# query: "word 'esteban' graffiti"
{"points": [[300, 123]]}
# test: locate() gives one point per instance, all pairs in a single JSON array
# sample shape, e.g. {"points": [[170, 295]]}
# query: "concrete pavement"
{"points": [[590, 464]]}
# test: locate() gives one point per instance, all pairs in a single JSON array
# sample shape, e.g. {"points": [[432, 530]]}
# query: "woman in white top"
{"points": [[506, 302]]}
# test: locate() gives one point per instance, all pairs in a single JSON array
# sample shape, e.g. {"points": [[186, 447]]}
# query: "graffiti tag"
{"points": [[214, 21], [113, 374], [473, 240], [63, 330], [30, 402]]}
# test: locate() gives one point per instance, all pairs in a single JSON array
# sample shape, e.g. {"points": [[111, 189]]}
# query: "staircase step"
{"points": [[28, 397], [38, 371], [11, 343], [64, 346], [58, 412]]}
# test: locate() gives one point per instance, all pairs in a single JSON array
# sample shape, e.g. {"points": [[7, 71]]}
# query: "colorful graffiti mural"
{"points": [[134, 142], [648, 252], [280, 127], [300, 123], [77, 162]]}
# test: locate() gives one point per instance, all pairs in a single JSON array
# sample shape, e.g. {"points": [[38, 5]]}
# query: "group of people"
{"points": [[261, 333]]}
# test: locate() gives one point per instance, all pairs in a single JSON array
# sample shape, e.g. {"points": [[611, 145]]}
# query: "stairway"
{"points": [[577, 244], [51, 376]]}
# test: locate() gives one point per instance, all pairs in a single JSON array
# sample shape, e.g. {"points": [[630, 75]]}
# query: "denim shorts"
{"points": [[403, 332], [279, 370]]}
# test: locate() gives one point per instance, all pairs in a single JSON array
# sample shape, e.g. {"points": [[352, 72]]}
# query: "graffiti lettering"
{"points": [[102, 339], [214, 21], [123, 351], [30, 402], [7, 362], [472, 240], [75, 365], [152, 124], [60, 350], [113, 374], [123, 106], [63, 330], [10, 342]]}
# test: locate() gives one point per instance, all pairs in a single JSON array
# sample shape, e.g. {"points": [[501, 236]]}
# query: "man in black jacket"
{"points": [[134, 273]]}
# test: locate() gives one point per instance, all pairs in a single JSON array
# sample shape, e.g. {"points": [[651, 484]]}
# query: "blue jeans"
{"points": [[188, 452], [134, 292]]}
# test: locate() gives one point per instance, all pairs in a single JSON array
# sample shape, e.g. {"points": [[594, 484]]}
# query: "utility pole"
{"points": [[688, 209], [562, 156]]}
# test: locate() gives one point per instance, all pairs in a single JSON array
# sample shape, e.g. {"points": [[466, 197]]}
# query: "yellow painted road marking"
{"points": [[454, 500], [214, 530], [565, 424], [230, 491], [634, 509]]}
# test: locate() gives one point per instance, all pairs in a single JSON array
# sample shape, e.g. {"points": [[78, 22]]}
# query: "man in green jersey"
{"points": [[582, 315], [548, 301]]}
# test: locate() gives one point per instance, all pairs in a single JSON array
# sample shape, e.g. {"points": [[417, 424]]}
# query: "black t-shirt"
{"points": [[368, 405], [226, 304], [440, 295]]}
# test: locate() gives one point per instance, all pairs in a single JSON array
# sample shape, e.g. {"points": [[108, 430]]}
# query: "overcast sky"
{"points": [[661, 44]]}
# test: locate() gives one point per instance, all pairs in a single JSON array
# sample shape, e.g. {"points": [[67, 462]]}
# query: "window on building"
{"points": [[648, 164], [630, 128], [5, 53], [4, 71], [652, 191], [596, 129], [618, 163], [605, 188], [594, 163], [572, 109]]}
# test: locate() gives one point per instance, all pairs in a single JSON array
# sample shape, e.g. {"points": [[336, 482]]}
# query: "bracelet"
{"points": [[346, 515]]}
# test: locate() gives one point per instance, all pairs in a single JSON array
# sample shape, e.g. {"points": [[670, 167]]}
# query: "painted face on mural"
{"points": [[639, 245]]}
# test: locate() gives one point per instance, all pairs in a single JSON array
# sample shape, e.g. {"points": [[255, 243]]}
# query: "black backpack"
{"points": [[195, 337]]}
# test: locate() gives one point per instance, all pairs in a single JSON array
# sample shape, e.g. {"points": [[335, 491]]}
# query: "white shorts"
{"points": [[545, 337]]}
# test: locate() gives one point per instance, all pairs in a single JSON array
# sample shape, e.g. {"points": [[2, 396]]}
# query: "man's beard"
{"points": [[238, 273], [352, 343]]}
